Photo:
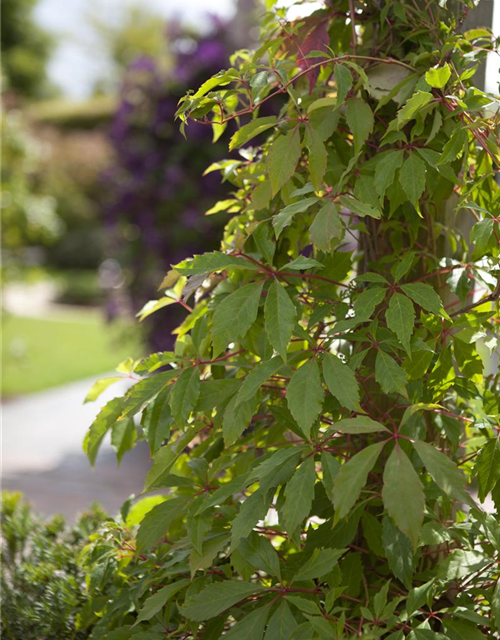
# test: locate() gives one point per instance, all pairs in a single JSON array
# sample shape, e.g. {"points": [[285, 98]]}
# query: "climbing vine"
{"points": [[325, 432]]}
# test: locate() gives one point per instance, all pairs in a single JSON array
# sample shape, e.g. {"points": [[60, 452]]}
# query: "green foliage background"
{"points": [[331, 396]]}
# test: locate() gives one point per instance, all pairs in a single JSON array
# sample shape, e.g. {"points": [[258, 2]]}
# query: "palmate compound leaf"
{"points": [[234, 316], [403, 494], [352, 478], [279, 317], [305, 395], [341, 382], [218, 597]]}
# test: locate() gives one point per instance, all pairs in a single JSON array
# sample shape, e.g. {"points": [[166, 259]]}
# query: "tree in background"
{"points": [[25, 50], [156, 191], [134, 32]]}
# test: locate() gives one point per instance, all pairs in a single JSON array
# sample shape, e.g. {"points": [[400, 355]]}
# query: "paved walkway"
{"points": [[42, 453]]}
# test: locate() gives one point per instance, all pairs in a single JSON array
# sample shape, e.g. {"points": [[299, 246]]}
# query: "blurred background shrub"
{"points": [[43, 584]]}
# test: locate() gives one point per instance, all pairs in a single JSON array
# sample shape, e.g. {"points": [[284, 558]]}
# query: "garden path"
{"points": [[42, 453]]}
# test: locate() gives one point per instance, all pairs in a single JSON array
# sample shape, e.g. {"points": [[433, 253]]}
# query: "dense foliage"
{"points": [[25, 50], [43, 585], [29, 214], [331, 397], [156, 191]]}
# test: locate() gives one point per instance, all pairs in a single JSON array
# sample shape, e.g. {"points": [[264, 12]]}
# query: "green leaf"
{"points": [[352, 478], [282, 160], [250, 627], [360, 208], [285, 216], [325, 227], [385, 170], [210, 262], [318, 158], [250, 130], [366, 303], [259, 552], [413, 105], [123, 436], [439, 76], [236, 419], [402, 267], [299, 494], [157, 521], [389, 374], [165, 458], [343, 80], [480, 235], [154, 604], [454, 146], [282, 623], [156, 420], [218, 597], [280, 316], [403, 494], [145, 391], [443, 471], [423, 295], [185, 394], [321, 562], [341, 382], [302, 263], [305, 395], [358, 425], [495, 605], [214, 393], [457, 629], [234, 316], [360, 120], [253, 509], [412, 178], [488, 468], [257, 376], [400, 317], [398, 551], [105, 419], [100, 386]]}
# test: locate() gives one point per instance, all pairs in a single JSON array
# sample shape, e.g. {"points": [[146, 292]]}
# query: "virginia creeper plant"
{"points": [[326, 428]]}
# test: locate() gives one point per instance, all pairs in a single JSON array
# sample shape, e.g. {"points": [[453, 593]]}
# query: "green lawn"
{"points": [[42, 353]]}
